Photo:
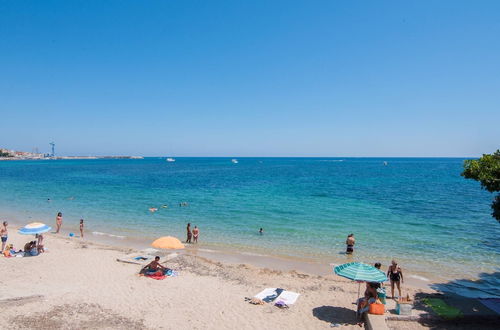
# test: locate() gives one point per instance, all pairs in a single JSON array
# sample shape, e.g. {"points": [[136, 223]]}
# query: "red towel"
{"points": [[156, 276]]}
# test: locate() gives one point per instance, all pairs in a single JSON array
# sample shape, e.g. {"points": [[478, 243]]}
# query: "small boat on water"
{"points": [[170, 159], [234, 161]]}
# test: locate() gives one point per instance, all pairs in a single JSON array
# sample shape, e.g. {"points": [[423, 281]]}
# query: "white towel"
{"points": [[288, 297]]}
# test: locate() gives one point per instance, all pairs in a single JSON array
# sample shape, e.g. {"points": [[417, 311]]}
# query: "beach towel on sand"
{"points": [[288, 297], [159, 275], [272, 294]]}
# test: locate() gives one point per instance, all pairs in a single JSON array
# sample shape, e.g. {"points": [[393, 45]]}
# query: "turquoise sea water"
{"points": [[420, 211]]}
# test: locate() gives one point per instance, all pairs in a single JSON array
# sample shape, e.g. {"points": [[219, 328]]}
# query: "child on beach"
{"points": [[59, 220], [81, 228]]}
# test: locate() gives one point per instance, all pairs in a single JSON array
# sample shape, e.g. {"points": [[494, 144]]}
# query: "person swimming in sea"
{"points": [[261, 231], [350, 244]]}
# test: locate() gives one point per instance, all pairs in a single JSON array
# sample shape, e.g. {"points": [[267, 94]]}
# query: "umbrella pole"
{"points": [[359, 286]]}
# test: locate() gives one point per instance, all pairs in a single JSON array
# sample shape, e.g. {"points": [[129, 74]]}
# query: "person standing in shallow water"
{"points": [[350, 244], [196, 233], [189, 234], [58, 222], [81, 228]]}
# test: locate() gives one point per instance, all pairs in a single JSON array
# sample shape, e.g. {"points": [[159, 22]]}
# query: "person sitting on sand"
{"points": [[153, 267], [395, 274], [30, 249], [350, 244], [369, 298], [196, 233]]}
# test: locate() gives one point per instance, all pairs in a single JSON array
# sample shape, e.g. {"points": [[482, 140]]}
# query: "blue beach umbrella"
{"points": [[358, 271], [34, 228]]}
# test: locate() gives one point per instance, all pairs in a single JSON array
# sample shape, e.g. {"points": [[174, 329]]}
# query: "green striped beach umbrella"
{"points": [[358, 271]]}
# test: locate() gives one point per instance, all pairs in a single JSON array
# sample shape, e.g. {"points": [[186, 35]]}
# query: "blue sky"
{"points": [[251, 78]]}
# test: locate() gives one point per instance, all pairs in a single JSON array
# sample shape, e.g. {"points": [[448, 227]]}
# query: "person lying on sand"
{"points": [[153, 267]]}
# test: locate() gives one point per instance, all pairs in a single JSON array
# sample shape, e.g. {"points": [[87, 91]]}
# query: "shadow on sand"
{"points": [[332, 314], [463, 294]]}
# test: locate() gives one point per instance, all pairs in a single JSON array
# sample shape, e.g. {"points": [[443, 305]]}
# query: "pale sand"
{"points": [[80, 285]]}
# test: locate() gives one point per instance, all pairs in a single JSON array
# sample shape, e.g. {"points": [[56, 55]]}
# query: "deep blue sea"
{"points": [[417, 210]]}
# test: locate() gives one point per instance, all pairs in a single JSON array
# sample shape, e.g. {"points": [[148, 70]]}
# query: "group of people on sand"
{"points": [[192, 235], [59, 222], [376, 290]]}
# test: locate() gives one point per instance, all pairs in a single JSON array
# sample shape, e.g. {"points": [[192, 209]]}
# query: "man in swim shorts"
{"points": [[153, 267], [350, 244]]}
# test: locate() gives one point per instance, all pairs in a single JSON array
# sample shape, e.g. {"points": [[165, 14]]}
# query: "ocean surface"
{"points": [[417, 210]]}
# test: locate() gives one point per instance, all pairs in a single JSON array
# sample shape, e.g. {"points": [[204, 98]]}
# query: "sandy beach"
{"points": [[79, 284]]}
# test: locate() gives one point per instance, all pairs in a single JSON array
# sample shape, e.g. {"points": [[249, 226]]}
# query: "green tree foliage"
{"points": [[4, 154], [486, 170]]}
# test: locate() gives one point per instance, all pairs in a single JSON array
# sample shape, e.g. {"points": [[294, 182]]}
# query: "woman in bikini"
{"points": [[395, 274], [58, 222]]}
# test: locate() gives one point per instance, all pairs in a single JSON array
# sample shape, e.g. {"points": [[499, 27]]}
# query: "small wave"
{"points": [[207, 250], [252, 254], [332, 160], [98, 233], [421, 278]]}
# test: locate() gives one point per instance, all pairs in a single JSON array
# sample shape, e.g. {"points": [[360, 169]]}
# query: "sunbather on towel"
{"points": [[153, 267]]}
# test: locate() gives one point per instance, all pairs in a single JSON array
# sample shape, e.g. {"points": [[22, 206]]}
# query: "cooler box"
{"points": [[403, 308]]}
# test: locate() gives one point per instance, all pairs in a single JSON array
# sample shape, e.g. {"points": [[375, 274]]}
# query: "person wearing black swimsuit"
{"points": [[395, 274]]}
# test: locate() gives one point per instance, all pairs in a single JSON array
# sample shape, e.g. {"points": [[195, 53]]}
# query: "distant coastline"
{"points": [[70, 157], [6, 154]]}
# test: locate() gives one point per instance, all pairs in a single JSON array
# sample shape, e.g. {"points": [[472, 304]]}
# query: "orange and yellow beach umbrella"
{"points": [[167, 242]]}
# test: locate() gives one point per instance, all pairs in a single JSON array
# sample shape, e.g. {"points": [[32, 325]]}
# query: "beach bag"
{"points": [[377, 308]]}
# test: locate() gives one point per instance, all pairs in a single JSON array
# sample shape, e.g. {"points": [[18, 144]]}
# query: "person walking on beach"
{"points": [[196, 232], [350, 244], [4, 234], [395, 274], [58, 222], [81, 228], [189, 234]]}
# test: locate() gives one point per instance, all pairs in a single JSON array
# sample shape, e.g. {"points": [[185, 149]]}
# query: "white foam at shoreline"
{"points": [[421, 278], [98, 233]]}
